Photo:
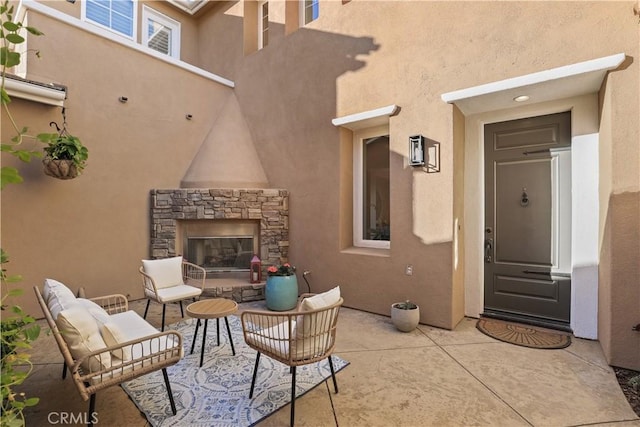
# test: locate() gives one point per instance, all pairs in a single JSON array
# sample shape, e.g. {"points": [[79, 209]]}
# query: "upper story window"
{"points": [[371, 189], [160, 32], [263, 24], [309, 11], [116, 15]]}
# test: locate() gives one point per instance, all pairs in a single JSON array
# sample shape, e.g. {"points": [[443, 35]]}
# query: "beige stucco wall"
{"points": [[94, 230], [358, 56]]}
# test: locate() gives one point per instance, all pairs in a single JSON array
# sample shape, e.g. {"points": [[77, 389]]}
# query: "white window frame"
{"points": [[261, 27], [358, 197], [303, 15], [134, 28], [152, 14]]}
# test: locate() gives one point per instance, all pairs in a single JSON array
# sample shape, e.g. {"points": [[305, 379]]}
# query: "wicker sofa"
{"points": [[103, 343]]}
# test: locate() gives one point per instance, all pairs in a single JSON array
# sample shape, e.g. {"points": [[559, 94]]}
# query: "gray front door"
{"points": [[520, 281]]}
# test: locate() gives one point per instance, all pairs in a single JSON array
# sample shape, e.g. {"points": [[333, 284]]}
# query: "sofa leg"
{"points": [[166, 382], [255, 373], [333, 374], [293, 395], [92, 408], [64, 370], [146, 309], [164, 308]]}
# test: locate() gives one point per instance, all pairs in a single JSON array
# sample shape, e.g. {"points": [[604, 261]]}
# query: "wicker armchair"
{"points": [[171, 280], [300, 337], [95, 369]]}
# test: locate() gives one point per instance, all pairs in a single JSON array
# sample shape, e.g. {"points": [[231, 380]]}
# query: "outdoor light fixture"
{"points": [[416, 150], [123, 99], [521, 98], [255, 270], [189, 116], [425, 153]]}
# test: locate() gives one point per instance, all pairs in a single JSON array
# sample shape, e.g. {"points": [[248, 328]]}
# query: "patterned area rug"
{"points": [[523, 335], [218, 393]]}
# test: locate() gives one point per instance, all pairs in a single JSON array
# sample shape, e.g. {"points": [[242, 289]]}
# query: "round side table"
{"points": [[214, 308]]}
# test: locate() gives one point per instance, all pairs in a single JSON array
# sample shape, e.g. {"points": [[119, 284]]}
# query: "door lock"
{"points": [[488, 248]]}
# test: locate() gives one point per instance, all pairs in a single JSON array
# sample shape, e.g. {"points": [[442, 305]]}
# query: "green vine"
{"points": [[17, 329]]}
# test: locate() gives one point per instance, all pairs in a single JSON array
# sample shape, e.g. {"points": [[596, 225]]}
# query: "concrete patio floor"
{"points": [[428, 377]]}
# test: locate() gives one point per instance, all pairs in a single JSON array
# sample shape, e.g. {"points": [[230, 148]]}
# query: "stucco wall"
{"points": [[94, 230]]}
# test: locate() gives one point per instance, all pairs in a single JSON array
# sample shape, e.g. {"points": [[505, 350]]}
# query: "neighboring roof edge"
{"points": [[44, 93]]}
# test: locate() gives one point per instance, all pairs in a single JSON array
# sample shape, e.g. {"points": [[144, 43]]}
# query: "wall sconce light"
{"points": [[416, 150], [255, 270], [189, 116], [424, 152], [123, 99]]}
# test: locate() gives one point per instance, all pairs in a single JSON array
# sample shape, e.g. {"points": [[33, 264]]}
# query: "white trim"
{"points": [[556, 83], [90, 28], [191, 7], [358, 197], [173, 25], [261, 28], [367, 119], [34, 92]]}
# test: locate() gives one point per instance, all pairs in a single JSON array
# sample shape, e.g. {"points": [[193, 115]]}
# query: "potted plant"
{"points": [[281, 290], [65, 156], [405, 315]]}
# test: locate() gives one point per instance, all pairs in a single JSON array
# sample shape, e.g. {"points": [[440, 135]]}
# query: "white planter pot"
{"points": [[405, 320]]}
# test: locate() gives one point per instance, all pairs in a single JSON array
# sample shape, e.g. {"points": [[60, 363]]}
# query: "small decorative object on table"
{"points": [[405, 315], [281, 291]]}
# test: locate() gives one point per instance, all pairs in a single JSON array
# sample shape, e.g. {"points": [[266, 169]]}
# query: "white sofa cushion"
{"points": [[131, 326], [98, 313], [310, 340], [112, 335], [80, 331], [165, 272], [59, 297]]}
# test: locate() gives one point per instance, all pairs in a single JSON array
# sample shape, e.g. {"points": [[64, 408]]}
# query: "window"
{"points": [[372, 195], [310, 10], [160, 33], [263, 24], [116, 15]]}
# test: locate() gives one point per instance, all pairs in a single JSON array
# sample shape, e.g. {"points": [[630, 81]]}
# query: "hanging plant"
{"points": [[65, 156]]}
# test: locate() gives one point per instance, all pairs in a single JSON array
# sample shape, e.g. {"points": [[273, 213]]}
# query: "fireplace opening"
{"points": [[220, 254], [224, 248]]}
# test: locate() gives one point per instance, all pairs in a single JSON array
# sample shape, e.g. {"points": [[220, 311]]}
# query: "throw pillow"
{"points": [[80, 331], [165, 272]]}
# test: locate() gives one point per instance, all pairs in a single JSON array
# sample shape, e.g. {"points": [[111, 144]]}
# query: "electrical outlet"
{"points": [[408, 270]]}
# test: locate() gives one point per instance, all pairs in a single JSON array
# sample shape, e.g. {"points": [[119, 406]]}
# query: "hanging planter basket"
{"points": [[60, 168]]}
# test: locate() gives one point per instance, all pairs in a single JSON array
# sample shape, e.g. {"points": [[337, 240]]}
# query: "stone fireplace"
{"points": [[221, 229]]}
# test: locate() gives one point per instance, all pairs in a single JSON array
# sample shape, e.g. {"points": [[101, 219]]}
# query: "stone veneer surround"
{"points": [[270, 206]]}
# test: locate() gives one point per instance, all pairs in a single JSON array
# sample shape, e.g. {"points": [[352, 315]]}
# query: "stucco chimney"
{"points": [[227, 157]]}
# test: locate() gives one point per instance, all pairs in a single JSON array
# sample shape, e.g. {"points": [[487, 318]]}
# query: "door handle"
{"points": [[488, 248]]}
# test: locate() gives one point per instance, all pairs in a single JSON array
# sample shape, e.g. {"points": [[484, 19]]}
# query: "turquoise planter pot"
{"points": [[281, 292]]}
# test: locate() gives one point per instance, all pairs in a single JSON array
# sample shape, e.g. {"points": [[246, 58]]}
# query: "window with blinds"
{"points": [[160, 33], [116, 15]]}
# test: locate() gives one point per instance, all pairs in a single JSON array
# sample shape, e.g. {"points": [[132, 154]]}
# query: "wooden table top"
{"points": [[212, 308]]}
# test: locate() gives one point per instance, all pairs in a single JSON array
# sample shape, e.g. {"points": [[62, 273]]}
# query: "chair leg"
{"points": [[181, 310], [293, 395], [146, 309], [164, 308], [92, 408], [255, 372], [64, 370], [333, 374]]}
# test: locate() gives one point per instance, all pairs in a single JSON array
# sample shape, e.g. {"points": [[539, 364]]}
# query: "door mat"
{"points": [[523, 335]]}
